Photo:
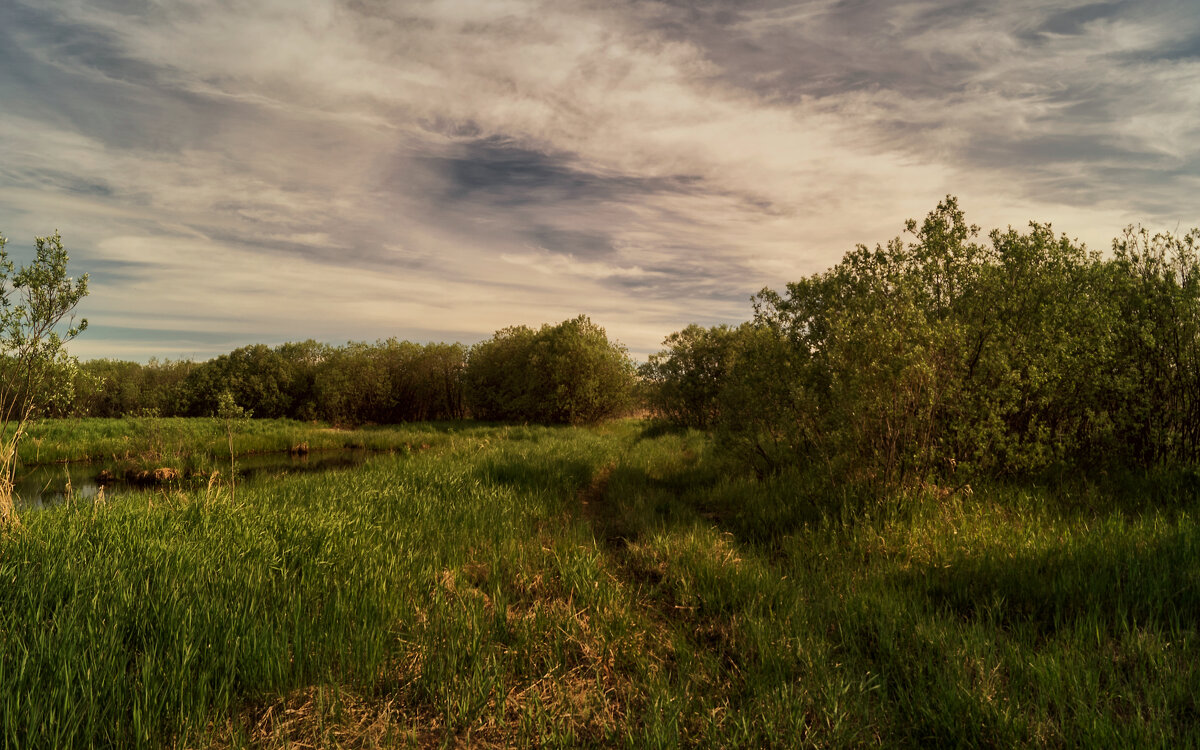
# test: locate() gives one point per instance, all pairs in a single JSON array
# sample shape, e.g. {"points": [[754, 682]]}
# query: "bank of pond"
{"points": [[78, 459], [45, 485]]}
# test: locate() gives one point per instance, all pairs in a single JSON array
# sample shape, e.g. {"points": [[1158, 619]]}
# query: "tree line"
{"points": [[952, 355], [565, 373]]}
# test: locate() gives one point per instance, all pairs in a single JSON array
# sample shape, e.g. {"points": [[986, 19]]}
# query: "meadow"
{"points": [[620, 585]]}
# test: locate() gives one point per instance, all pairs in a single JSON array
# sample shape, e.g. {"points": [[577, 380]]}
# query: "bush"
{"points": [[945, 355], [683, 383], [568, 373]]}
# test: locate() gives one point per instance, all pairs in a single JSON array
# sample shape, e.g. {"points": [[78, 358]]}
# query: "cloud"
{"points": [[1019, 93], [274, 170]]}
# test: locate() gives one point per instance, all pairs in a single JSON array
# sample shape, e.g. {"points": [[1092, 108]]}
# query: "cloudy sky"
{"points": [[236, 172]]}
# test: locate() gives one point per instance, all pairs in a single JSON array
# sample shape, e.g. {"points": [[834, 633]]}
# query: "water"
{"points": [[50, 484]]}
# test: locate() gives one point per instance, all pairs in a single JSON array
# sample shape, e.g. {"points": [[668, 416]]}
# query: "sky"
{"points": [[233, 172]]}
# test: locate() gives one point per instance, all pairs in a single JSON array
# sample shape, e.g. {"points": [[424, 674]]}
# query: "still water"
{"points": [[50, 484]]}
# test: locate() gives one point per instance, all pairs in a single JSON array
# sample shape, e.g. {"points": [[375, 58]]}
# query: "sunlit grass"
{"points": [[602, 587]]}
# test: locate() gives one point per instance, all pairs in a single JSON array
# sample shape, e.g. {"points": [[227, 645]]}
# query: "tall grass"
{"points": [[180, 443], [603, 587]]}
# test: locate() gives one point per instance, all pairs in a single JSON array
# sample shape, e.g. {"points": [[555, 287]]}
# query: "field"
{"points": [[610, 586]]}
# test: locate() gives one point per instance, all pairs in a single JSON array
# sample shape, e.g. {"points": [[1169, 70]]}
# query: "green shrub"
{"points": [[952, 358], [569, 373], [683, 383]]}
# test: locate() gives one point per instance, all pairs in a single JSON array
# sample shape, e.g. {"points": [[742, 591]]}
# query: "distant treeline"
{"points": [[565, 373], [950, 357]]}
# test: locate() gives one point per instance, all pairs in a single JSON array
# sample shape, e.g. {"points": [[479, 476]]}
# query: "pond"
{"points": [[50, 484]]}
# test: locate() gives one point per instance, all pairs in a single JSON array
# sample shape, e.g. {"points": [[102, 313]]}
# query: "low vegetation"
{"points": [[133, 445], [614, 586]]}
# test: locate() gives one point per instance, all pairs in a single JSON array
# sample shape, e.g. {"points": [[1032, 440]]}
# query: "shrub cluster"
{"points": [[568, 373], [948, 355], [684, 382]]}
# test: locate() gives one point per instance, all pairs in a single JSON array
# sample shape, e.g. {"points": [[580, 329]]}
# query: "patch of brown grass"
{"points": [[334, 717]]}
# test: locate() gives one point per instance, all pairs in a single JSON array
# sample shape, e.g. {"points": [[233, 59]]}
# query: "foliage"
{"points": [[388, 381], [684, 382], [498, 380], [1155, 283], [34, 364], [111, 388], [256, 376], [950, 358], [569, 373]]}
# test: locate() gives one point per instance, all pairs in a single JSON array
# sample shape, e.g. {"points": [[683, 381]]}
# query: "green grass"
{"points": [[136, 444], [600, 587]]}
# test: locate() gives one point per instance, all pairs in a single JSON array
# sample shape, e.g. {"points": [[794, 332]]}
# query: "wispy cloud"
{"points": [[274, 170]]}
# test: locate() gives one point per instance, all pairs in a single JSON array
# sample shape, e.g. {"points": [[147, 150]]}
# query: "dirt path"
{"points": [[603, 515]]}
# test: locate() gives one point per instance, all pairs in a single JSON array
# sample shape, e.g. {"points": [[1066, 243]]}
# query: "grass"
{"points": [[137, 444], [56, 440], [600, 587]]}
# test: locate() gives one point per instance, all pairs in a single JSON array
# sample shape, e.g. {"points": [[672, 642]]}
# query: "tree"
{"points": [[497, 380], [587, 377], [256, 375], [947, 355], [569, 373], [35, 300], [684, 381]]}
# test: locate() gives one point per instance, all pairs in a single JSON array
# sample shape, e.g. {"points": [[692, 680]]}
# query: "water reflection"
{"points": [[51, 484]]}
